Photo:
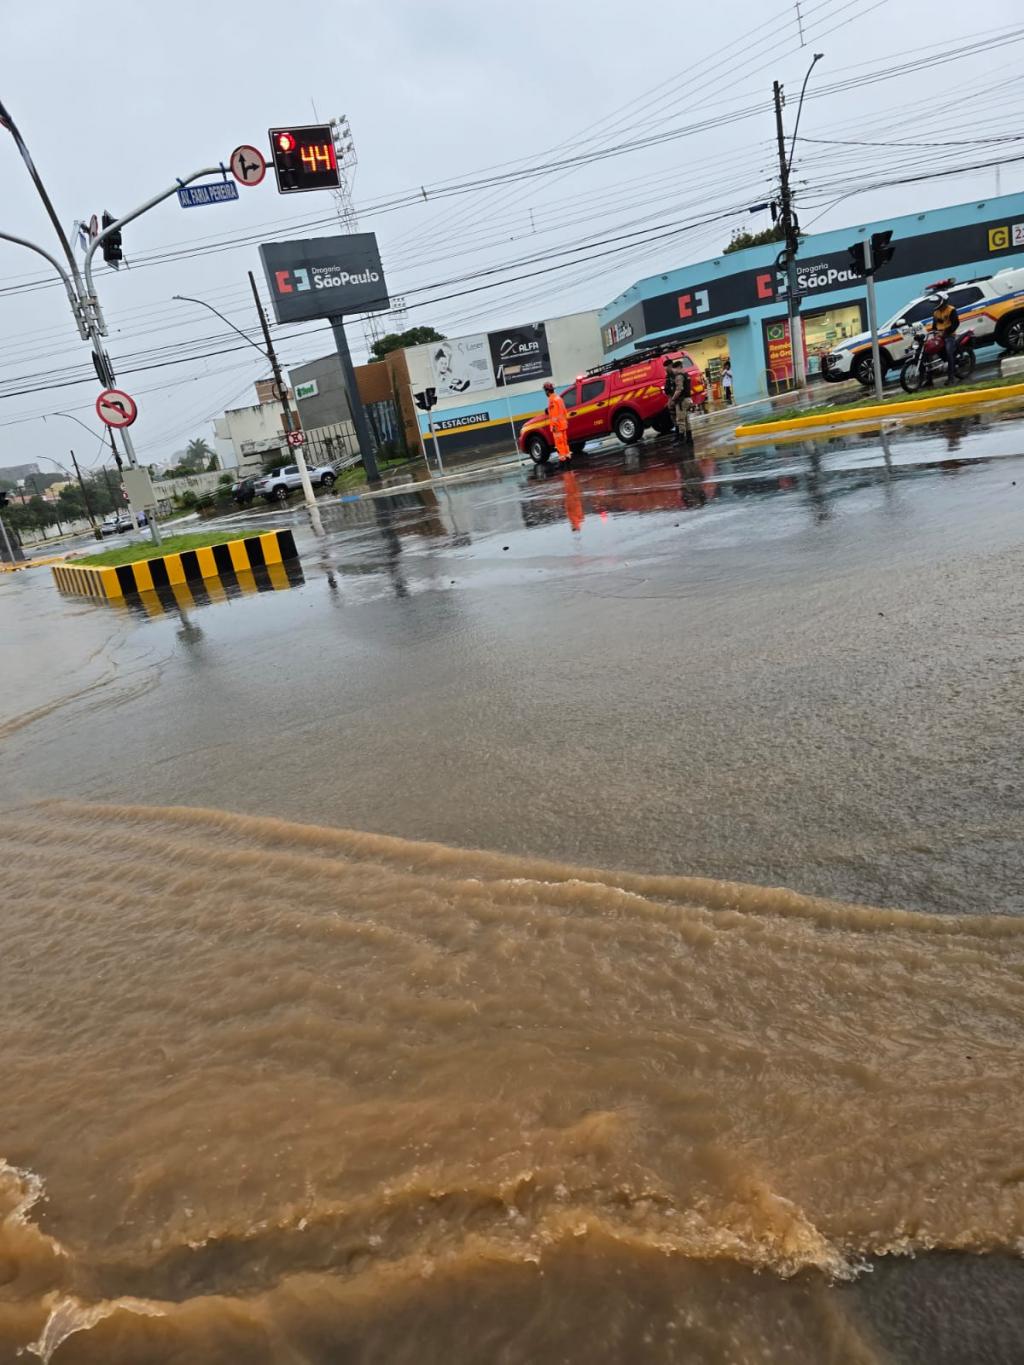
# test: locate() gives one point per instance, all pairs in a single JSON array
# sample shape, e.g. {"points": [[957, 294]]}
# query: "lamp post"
{"points": [[270, 355], [792, 228]]}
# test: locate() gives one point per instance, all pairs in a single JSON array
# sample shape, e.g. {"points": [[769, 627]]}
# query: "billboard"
{"points": [[520, 355], [323, 277], [461, 365]]}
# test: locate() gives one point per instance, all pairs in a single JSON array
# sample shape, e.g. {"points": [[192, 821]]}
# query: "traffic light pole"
{"points": [[437, 448], [81, 294], [876, 359], [7, 541]]}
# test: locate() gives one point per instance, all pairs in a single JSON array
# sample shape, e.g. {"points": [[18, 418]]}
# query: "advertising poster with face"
{"points": [[461, 365]]}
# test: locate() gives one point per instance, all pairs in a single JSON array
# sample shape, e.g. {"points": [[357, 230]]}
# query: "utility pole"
{"points": [[792, 227], [282, 392], [110, 486], [796, 330], [85, 495]]}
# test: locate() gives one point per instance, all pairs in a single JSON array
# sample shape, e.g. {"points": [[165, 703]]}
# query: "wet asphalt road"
{"points": [[797, 667]]}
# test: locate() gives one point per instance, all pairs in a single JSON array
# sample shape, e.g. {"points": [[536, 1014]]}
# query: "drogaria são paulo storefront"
{"points": [[733, 307]]}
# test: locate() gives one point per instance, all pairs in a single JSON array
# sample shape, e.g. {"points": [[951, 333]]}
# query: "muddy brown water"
{"points": [[276, 1093]]}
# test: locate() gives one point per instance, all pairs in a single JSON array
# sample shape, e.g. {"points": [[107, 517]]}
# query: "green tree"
{"points": [[397, 341], [34, 515], [197, 454], [70, 504], [741, 240]]}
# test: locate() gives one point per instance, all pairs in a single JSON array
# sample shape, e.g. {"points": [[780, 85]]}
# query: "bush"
{"points": [[187, 500], [225, 481]]}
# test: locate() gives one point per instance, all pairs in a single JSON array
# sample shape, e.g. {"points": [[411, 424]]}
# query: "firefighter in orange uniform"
{"points": [[559, 419]]}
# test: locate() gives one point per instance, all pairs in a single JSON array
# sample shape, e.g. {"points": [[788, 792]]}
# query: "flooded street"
{"points": [[578, 918]]}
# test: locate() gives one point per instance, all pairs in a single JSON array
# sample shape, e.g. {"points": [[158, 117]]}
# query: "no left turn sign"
{"points": [[248, 164], [116, 408]]}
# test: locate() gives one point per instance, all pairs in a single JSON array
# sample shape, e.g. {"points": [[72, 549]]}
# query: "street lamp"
{"points": [[800, 104], [270, 355], [792, 229]]}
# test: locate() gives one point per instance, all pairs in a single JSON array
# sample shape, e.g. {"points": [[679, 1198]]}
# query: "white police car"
{"points": [[992, 306]]}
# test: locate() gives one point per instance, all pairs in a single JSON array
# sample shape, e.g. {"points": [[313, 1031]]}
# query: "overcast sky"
{"points": [[115, 104]]}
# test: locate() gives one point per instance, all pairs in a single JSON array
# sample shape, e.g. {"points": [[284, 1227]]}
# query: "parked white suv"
{"points": [[276, 485], [992, 306]]}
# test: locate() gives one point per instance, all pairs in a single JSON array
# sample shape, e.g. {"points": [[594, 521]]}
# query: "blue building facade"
{"points": [[734, 306]]}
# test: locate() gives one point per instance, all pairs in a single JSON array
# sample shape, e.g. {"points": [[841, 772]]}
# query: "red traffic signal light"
{"points": [[304, 158]]}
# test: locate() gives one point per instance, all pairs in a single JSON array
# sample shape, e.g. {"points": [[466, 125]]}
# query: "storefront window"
{"points": [[823, 328], [709, 355], [827, 327]]}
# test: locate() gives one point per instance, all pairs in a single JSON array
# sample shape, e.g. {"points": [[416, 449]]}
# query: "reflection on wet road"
{"points": [[766, 667]]}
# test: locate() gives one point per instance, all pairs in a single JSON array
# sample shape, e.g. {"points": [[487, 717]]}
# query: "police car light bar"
{"points": [[943, 284]]}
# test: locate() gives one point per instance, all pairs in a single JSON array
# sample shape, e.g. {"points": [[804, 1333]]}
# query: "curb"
{"points": [[230, 558], [884, 411]]}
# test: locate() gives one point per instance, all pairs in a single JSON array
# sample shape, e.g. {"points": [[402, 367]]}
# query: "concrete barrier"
{"points": [[208, 563]]}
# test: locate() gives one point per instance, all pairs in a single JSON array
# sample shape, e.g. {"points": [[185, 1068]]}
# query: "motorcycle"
{"points": [[927, 359]]}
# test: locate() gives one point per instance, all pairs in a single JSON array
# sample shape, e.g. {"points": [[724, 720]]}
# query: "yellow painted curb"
{"points": [[231, 559], [875, 411], [32, 563]]}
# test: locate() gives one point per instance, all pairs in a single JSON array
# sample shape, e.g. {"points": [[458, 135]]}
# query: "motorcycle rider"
{"points": [[945, 321]]}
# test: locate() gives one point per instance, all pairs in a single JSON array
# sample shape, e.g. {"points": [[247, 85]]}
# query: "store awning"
{"points": [[695, 333]]}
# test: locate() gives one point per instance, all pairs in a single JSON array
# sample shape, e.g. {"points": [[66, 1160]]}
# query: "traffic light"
{"points": [[112, 253], [881, 250], [426, 399], [304, 158], [881, 253]]}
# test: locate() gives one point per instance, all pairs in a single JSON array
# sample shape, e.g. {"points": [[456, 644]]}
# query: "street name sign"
{"points": [[194, 196]]}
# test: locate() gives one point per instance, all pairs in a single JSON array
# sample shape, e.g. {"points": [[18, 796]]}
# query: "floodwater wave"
{"points": [[280, 1093]]}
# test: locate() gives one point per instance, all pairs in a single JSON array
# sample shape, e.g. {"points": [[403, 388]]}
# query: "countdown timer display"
{"points": [[304, 158]]}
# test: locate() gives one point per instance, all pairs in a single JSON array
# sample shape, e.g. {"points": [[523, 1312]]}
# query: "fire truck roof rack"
{"points": [[648, 352]]}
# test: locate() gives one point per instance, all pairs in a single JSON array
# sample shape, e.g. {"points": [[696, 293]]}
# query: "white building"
{"points": [[250, 434]]}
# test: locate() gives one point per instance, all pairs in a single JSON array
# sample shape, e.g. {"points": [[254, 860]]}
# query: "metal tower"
{"points": [[345, 152]]}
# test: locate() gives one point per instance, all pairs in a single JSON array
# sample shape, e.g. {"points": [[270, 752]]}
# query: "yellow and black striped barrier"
{"points": [[182, 597], [252, 555]]}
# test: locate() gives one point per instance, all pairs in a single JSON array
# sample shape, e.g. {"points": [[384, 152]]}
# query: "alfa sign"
{"points": [[323, 277], [520, 354]]}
